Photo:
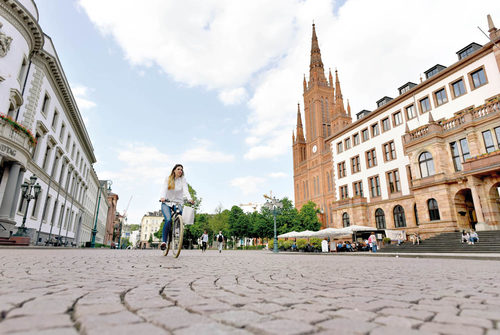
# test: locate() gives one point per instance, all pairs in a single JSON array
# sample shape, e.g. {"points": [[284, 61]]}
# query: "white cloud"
{"points": [[248, 184], [278, 175], [257, 51], [81, 93], [202, 152], [234, 96]]}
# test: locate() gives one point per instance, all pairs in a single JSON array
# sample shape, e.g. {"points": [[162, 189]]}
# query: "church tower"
{"points": [[324, 115]]}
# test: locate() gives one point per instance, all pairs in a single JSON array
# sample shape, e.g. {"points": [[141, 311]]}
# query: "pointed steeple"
{"points": [[407, 129], [431, 119], [330, 77], [494, 33], [300, 129], [348, 108], [305, 83], [293, 136], [316, 70], [339, 102]]}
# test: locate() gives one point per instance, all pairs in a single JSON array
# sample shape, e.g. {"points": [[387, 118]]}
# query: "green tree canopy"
{"points": [[239, 225], [308, 217]]}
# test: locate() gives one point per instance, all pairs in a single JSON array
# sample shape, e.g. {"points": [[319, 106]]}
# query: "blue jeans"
{"points": [[167, 214], [374, 247]]}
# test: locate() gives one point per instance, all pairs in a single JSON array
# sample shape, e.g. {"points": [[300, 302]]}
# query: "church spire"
{"points": [[330, 78], [300, 129], [348, 108], [316, 70], [339, 102]]}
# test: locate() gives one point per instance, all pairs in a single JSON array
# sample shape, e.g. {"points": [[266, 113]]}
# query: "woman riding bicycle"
{"points": [[173, 192]]}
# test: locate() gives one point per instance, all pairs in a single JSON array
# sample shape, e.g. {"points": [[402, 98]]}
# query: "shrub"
{"points": [[316, 243], [386, 240], [301, 244], [287, 244]]}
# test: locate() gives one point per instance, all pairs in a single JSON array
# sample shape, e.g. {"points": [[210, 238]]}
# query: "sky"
{"points": [[214, 84]]}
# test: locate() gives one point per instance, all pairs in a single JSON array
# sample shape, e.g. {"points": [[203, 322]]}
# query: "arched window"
{"points": [[380, 218], [426, 164], [432, 205], [345, 220], [399, 217]]}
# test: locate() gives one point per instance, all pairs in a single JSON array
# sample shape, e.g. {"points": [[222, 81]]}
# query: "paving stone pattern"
{"points": [[80, 291]]}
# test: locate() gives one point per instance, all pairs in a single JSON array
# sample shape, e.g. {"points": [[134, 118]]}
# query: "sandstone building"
{"points": [[427, 160]]}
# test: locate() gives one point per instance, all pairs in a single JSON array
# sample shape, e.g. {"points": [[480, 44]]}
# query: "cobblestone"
{"points": [[78, 291]]}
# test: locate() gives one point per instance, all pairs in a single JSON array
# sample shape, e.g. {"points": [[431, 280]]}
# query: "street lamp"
{"points": [[273, 203], [26, 189], [94, 230]]}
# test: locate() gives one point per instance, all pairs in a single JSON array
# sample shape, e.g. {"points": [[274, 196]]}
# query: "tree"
{"points": [[308, 217], [238, 223], [134, 227], [197, 201]]}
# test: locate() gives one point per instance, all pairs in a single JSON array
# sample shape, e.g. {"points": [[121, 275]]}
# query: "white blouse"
{"points": [[178, 194]]}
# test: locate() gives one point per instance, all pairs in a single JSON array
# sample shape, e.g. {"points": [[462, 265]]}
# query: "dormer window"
{"points": [[468, 50], [406, 87], [434, 70]]}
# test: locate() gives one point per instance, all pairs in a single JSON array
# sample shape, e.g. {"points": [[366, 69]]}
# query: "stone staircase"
{"points": [[489, 242]]}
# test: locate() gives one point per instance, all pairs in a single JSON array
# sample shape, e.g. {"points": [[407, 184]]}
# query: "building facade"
{"points": [[42, 134], [427, 160], [150, 224]]}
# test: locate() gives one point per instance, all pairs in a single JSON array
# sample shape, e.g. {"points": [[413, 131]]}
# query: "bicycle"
{"points": [[175, 233]]}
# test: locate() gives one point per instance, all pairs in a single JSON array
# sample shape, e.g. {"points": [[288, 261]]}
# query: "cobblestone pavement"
{"points": [[243, 292]]}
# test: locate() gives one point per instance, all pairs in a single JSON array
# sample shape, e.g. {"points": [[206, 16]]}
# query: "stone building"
{"points": [[150, 224], [427, 160], [42, 134]]}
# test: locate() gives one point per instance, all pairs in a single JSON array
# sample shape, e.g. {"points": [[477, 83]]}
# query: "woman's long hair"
{"points": [[171, 178]]}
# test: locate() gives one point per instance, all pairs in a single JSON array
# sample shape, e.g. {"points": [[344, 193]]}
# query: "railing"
{"points": [[20, 137], [455, 122]]}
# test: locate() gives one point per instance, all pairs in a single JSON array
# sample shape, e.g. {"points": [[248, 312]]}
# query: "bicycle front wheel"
{"points": [[177, 235]]}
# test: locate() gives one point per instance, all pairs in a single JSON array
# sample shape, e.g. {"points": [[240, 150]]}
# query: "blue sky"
{"points": [[214, 85]]}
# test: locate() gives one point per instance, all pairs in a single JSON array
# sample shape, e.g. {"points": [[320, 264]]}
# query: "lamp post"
{"points": [[94, 230], [26, 189], [273, 203]]}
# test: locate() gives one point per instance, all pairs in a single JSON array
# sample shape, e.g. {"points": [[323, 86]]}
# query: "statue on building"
{"points": [[4, 42]]}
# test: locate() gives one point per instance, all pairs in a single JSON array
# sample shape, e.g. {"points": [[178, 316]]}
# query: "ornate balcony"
{"points": [[16, 142], [482, 164]]}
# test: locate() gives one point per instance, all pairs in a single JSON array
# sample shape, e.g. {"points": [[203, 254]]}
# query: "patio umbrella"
{"points": [[327, 232], [290, 234], [305, 234]]}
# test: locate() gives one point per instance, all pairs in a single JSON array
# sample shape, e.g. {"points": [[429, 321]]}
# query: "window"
{"points": [[371, 158], [478, 78], [426, 164], [385, 124], [345, 220], [36, 204], [365, 135], [380, 218], [341, 169], [458, 88], [465, 149], [393, 181], [46, 157], [425, 105], [374, 186], [347, 143], [355, 166], [497, 134], [45, 104], [54, 119], [440, 97], [389, 151], [399, 217], [339, 148], [22, 72], [46, 208], [455, 156], [415, 212], [355, 139], [410, 112], [68, 140], [61, 136], [432, 205], [375, 129], [344, 193], [488, 141], [358, 188], [397, 119]]}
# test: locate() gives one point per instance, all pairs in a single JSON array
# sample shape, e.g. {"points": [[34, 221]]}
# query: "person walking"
{"points": [[220, 241], [173, 192], [204, 241], [373, 242]]}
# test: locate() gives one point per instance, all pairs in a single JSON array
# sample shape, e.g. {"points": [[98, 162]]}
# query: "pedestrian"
{"points": [[173, 193], [473, 237], [204, 241], [465, 237], [220, 241], [373, 242]]}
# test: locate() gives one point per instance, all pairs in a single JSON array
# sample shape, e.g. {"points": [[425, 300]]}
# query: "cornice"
{"points": [[57, 75], [22, 19]]}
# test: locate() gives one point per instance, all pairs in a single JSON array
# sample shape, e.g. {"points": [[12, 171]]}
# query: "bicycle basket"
{"points": [[188, 215]]}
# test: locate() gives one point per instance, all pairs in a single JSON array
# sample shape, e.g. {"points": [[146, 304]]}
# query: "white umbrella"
{"points": [[355, 228], [305, 234], [327, 232], [287, 235]]}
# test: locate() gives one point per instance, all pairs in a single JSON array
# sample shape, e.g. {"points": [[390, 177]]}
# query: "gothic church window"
{"points": [[380, 218], [399, 217], [345, 220], [426, 164], [432, 205]]}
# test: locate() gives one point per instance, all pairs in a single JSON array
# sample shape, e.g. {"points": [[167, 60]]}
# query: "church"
{"points": [[426, 161]]}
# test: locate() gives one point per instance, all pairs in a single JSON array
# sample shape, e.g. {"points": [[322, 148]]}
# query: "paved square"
{"points": [[243, 292]]}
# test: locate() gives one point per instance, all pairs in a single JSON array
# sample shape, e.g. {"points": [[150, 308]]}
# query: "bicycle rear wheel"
{"points": [[177, 235], [169, 243]]}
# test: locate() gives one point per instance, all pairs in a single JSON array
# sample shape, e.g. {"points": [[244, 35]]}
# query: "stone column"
{"points": [[16, 194], [474, 187], [10, 188]]}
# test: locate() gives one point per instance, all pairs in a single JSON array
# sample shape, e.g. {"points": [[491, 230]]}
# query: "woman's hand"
{"points": [[191, 202]]}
